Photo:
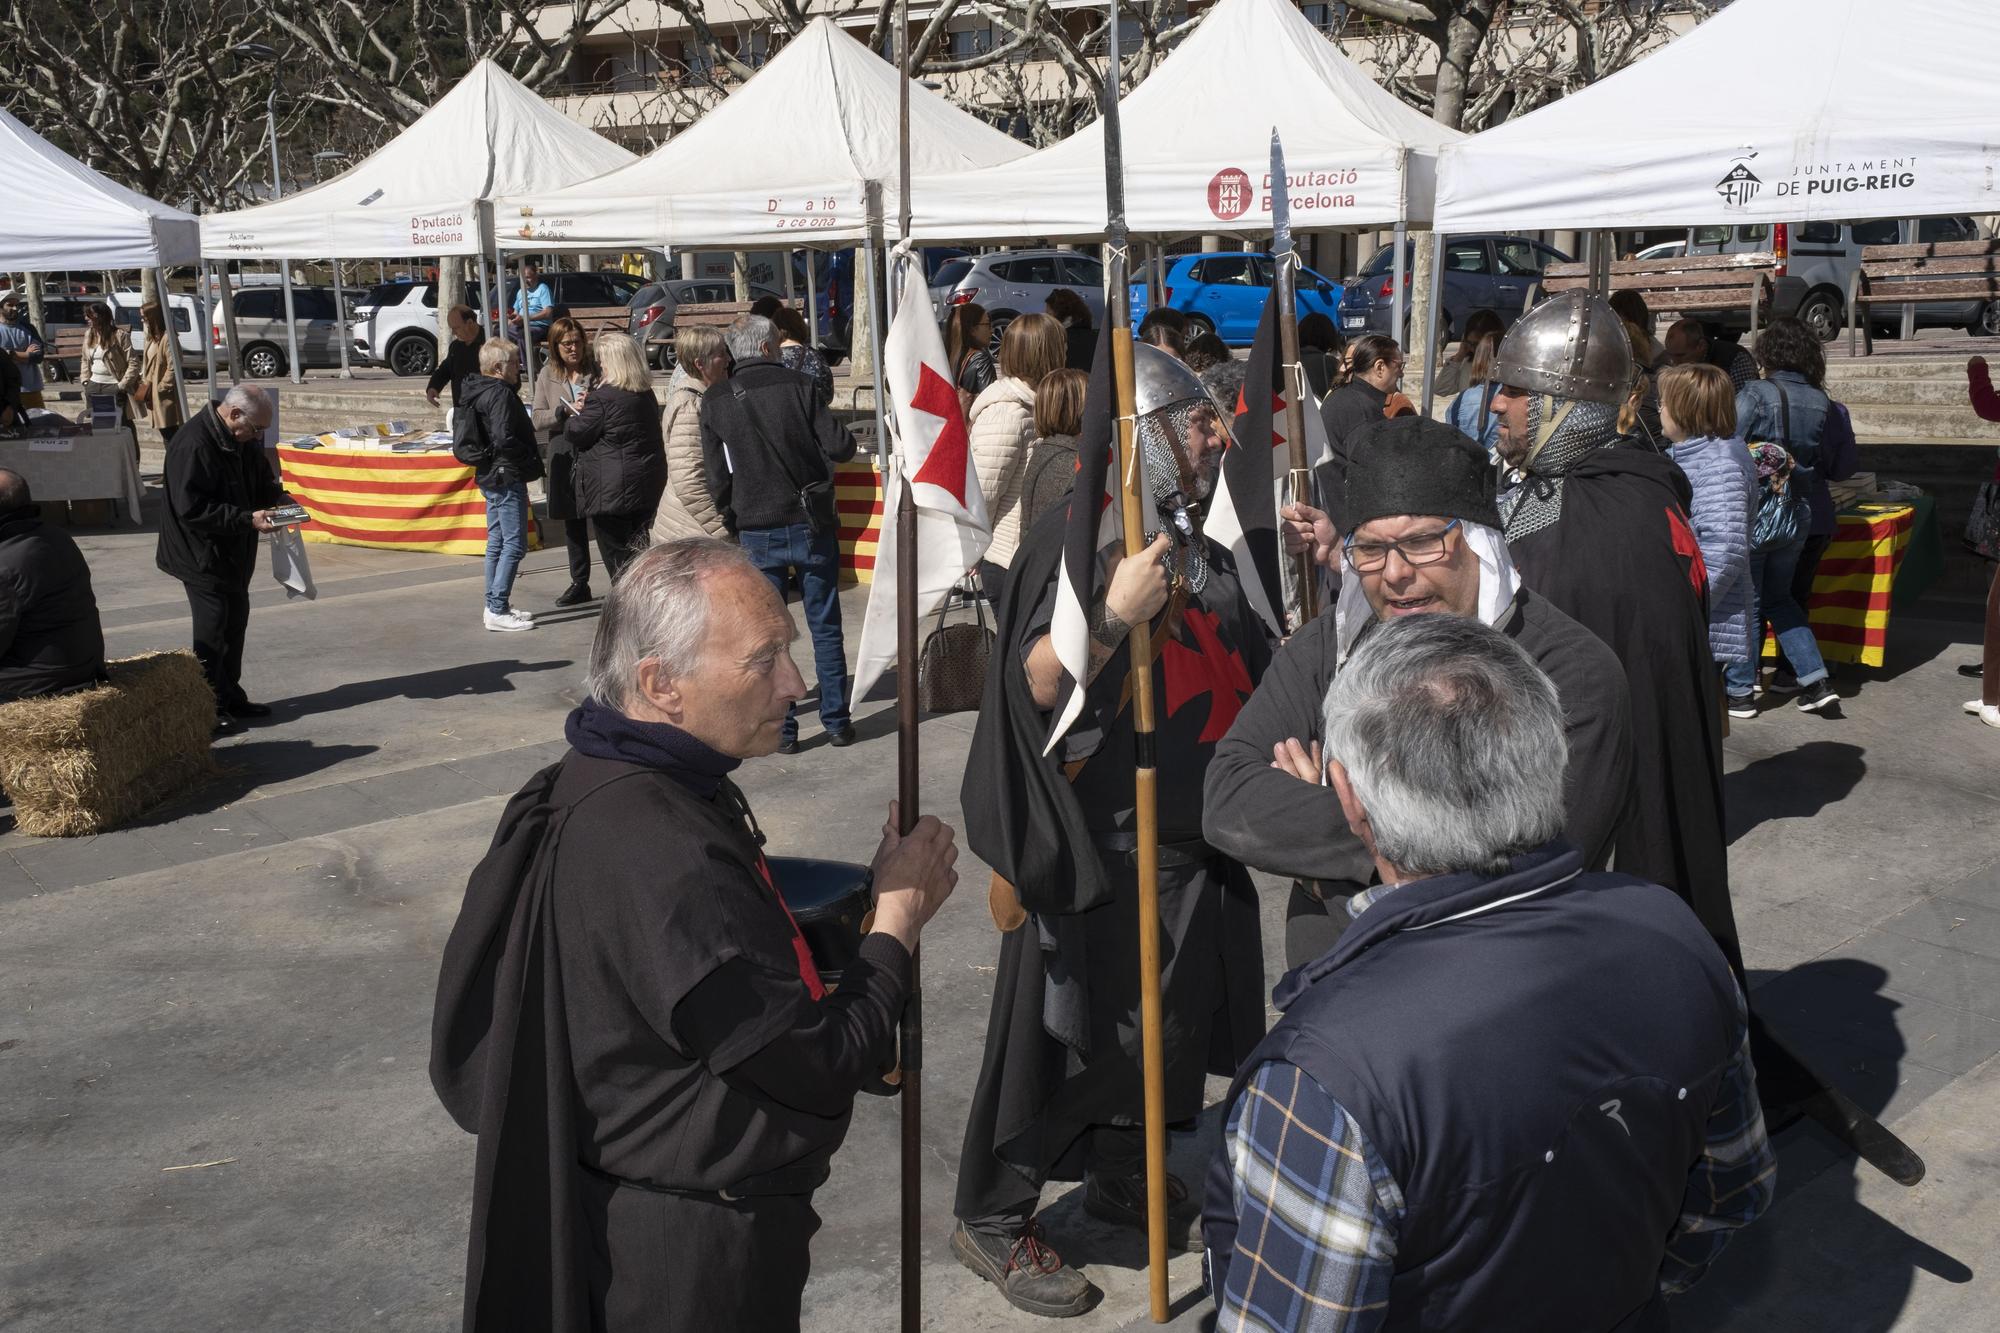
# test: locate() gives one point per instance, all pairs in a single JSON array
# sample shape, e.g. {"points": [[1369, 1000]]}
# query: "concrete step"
{"points": [[1889, 367], [1893, 424], [1902, 393]]}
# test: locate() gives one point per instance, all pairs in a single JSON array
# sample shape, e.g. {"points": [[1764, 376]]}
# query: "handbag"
{"points": [[815, 497], [1982, 530], [1784, 517], [951, 667]]}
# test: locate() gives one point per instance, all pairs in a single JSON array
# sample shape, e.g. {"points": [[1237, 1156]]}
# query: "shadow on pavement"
{"points": [[445, 683], [1795, 784], [250, 766], [1836, 1263]]}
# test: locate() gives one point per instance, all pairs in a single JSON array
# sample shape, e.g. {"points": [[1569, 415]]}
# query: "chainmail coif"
{"points": [[1160, 442], [1584, 428]]}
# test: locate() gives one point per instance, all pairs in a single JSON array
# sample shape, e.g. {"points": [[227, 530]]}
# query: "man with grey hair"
{"points": [[628, 1015], [220, 493], [768, 445], [1514, 1084]]}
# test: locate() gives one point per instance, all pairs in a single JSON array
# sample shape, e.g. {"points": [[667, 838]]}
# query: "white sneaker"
{"points": [[507, 621], [1973, 706], [519, 614], [1987, 713]]}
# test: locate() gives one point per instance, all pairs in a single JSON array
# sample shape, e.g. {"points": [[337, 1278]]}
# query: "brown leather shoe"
{"points": [[1029, 1274]]}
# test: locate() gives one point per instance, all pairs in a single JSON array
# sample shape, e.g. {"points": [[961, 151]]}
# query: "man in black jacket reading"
{"points": [[220, 493], [461, 358], [628, 1016], [768, 446], [492, 434]]}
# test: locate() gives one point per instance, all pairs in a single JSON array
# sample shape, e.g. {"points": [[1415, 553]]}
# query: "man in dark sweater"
{"points": [[1517, 1093], [51, 640], [768, 446], [1425, 540], [220, 492], [461, 358], [628, 1016]]}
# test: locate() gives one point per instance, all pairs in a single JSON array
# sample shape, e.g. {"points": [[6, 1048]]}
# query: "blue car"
{"points": [[1224, 294]]}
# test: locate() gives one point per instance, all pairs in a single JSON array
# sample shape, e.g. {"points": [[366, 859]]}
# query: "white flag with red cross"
{"points": [[932, 450]]}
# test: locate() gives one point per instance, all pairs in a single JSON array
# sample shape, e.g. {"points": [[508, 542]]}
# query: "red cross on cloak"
{"points": [[1688, 549], [1209, 668], [944, 465]]}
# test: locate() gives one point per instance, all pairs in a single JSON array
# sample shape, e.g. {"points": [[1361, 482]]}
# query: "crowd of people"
{"points": [[1490, 770], [1510, 691]]}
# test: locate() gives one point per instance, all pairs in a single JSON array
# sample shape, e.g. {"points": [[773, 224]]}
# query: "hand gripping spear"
{"points": [[1139, 645], [1284, 290]]}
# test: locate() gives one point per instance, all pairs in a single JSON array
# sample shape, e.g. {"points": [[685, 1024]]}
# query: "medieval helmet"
{"points": [[1572, 345], [1160, 380]]}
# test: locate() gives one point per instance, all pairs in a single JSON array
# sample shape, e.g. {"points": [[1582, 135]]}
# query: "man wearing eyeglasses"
{"points": [[1424, 539]]}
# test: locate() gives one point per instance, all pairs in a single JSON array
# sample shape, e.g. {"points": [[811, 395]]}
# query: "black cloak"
{"points": [[1623, 561], [1051, 1068]]}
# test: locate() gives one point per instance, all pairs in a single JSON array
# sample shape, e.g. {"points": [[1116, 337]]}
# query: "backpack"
{"points": [[1784, 516]]}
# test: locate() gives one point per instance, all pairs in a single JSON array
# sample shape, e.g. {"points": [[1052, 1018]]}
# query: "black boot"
{"points": [[1121, 1200], [1029, 1274]]}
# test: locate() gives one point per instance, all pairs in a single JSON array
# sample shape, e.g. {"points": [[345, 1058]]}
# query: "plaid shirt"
{"points": [[1318, 1214]]}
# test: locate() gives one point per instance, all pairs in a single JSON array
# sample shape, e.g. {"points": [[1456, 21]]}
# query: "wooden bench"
{"points": [[1895, 275], [718, 314], [1681, 285], [62, 357]]}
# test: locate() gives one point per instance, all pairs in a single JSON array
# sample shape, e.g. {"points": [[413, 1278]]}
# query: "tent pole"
{"points": [[1402, 298], [291, 323], [1909, 330], [1431, 348], [527, 341], [812, 299], [205, 318], [341, 336], [485, 297]]}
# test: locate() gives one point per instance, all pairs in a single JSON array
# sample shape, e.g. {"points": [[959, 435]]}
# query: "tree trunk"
{"points": [[739, 273]]}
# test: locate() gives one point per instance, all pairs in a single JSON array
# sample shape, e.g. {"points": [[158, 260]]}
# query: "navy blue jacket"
{"points": [[1482, 1031]]}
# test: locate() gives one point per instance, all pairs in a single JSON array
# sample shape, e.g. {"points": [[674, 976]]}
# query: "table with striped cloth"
{"points": [[1858, 577], [857, 500], [390, 501]]}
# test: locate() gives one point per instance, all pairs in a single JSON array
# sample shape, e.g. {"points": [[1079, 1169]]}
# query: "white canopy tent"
{"points": [[70, 217], [783, 161], [420, 193], [1771, 111], [1197, 136]]}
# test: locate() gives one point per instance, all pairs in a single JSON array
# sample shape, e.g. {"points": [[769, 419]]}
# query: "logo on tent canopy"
{"points": [[1229, 194], [1739, 187]]}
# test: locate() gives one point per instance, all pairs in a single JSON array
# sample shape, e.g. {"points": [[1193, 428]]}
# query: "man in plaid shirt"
{"points": [[1515, 1093]]}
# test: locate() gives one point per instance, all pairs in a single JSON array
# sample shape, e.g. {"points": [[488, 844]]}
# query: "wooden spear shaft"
{"points": [[907, 772], [1133, 507]]}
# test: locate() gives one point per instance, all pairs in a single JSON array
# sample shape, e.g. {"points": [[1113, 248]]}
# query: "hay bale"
{"points": [[85, 763]]}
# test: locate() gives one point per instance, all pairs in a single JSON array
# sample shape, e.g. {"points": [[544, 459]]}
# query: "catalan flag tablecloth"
{"points": [[1881, 555], [857, 500], [394, 502]]}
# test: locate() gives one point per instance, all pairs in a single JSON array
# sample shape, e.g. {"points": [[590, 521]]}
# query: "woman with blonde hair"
{"points": [[687, 509], [565, 379], [159, 393], [621, 459], [1002, 422]]}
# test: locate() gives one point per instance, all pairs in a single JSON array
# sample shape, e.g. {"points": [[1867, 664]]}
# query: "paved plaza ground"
{"points": [[241, 987]]}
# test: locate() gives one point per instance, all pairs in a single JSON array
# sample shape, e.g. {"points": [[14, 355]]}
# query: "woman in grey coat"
{"points": [[1698, 415]]}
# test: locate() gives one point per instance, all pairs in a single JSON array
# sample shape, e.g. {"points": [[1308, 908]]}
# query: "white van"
{"points": [[1826, 255], [189, 317]]}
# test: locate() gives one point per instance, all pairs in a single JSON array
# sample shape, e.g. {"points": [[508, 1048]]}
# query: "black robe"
{"points": [[1623, 561], [1062, 1043]]}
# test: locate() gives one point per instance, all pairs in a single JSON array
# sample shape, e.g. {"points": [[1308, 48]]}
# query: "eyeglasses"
{"points": [[1425, 548]]}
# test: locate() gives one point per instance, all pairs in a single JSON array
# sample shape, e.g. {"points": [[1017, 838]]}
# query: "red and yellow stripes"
{"points": [[390, 501], [857, 499], [1849, 613]]}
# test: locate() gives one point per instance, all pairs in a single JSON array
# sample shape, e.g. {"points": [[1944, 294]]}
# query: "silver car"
{"points": [[1016, 282], [260, 328]]}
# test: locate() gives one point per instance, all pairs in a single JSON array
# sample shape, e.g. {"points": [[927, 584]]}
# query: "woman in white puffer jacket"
{"points": [[1002, 425]]}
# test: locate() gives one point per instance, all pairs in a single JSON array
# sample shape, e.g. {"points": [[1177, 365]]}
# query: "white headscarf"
{"points": [[1499, 585]]}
